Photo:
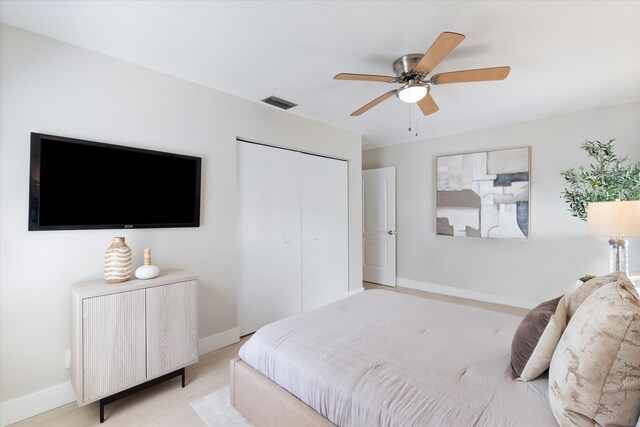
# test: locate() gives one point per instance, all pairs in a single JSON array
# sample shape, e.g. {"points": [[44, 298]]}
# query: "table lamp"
{"points": [[615, 220]]}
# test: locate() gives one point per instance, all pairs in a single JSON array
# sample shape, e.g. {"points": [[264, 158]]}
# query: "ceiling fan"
{"points": [[412, 70]]}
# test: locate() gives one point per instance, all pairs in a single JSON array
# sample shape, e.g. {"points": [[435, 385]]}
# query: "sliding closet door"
{"points": [[269, 235], [325, 231]]}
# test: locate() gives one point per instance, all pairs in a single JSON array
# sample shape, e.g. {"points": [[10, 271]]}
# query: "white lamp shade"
{"points": [[614, 219], [411, 94]]}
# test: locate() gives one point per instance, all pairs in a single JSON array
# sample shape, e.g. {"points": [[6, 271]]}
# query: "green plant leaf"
{"points": [[606, 180]]}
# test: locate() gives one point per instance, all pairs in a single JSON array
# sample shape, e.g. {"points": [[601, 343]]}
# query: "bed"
{"points": [[382, 358]]}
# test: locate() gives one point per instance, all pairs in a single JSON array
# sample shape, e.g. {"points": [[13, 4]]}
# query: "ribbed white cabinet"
{"points": [[171, 327], [126, 334], [113, 343]]}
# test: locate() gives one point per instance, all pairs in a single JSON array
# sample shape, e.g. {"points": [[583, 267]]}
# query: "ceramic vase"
{"points": [[147, 271], [117, 261]]}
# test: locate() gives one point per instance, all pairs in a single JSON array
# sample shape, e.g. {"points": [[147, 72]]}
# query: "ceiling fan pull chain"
{"points": [[409, 105]]}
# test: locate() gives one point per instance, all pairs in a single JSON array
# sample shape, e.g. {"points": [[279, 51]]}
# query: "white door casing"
{"points": [[379, 225]]}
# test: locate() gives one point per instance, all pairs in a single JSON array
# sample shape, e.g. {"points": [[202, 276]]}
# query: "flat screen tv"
{"points": [[79, 185]]}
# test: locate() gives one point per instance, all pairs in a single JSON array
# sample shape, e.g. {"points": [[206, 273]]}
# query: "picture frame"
{"points": [[484, 194]]}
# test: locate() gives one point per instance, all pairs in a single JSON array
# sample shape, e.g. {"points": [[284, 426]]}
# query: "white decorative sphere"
{"points": [[147, 272]]}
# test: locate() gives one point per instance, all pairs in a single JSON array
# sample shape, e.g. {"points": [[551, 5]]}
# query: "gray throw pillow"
{"points": [[536, 339]]}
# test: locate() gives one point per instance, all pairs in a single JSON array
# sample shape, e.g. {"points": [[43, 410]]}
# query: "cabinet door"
{"points": [[269, 235], [325, 231], [113, 343], [172, 327]]}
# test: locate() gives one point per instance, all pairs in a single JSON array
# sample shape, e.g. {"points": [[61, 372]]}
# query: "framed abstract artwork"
{"points": [[483, 194]]}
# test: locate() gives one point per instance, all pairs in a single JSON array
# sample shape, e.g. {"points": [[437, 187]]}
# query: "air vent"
{"points": [[279, 102]]}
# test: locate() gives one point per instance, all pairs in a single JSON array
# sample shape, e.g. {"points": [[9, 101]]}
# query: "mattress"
{"points": [[381, 358]]}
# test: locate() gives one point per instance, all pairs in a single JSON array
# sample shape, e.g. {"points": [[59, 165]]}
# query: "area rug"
{"points": [[216, 411]]}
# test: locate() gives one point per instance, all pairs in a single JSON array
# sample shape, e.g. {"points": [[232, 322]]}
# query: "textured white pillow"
{"points": [[594, 377], [581, 293]]}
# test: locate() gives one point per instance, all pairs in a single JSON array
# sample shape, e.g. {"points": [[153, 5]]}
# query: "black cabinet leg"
{"points": [[128, 392]]}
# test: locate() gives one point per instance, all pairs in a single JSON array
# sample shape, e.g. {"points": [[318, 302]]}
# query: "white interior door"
{"points": [[269, 214], [379, 225], [325, 231]]}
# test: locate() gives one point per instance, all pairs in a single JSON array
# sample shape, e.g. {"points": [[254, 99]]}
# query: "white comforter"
{"points": [[381, 358]]}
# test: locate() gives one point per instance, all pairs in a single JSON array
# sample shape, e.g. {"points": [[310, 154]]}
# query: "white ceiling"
{"points": [[565, 55]]}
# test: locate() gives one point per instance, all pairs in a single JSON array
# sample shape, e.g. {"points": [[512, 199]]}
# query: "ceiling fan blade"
{"points": [[373, 103], [364, 77], [479, 75], [440, 48], [428, 105]]}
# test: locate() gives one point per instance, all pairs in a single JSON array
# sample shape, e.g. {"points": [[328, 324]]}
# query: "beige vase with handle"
{"points": [[117, 261]]}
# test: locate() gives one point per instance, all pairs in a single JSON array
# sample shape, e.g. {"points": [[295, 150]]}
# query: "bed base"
{"points": [[265, 404]]}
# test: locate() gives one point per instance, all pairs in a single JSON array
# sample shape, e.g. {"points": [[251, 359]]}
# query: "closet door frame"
{"points": [[244, 294]]}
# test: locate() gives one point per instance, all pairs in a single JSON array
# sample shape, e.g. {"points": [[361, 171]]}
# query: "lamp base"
{"points": [[618, 256]]}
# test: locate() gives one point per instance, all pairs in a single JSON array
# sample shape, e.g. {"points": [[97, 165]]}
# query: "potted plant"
{"points": [[607, 179]]}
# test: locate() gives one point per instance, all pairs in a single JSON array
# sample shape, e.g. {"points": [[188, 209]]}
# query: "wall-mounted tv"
{"points": [[79, 185]]}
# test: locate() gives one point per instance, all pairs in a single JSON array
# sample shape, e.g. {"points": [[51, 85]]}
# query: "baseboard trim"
{"points": [[50, 398], [36, 403], [355, 291], [217, 341], [465, 293]]}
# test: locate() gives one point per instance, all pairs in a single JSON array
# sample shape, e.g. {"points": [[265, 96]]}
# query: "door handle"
{"points": [[391, 232]]}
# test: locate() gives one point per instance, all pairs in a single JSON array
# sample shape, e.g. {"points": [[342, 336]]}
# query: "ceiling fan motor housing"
{"points": [[405, 67]]}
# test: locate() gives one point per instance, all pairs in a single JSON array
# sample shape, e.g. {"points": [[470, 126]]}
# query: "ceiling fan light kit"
{"points": [[412, 92], [412, 70]]}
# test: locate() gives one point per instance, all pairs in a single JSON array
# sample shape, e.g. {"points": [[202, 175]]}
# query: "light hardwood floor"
{"points": [[167, 404]]}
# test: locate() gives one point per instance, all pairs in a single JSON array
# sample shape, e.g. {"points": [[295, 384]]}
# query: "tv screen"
{"points": [[78, 184]]}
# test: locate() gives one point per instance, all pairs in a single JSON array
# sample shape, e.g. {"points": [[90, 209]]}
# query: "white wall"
{"points": [[55, 88], [558, 250]]}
